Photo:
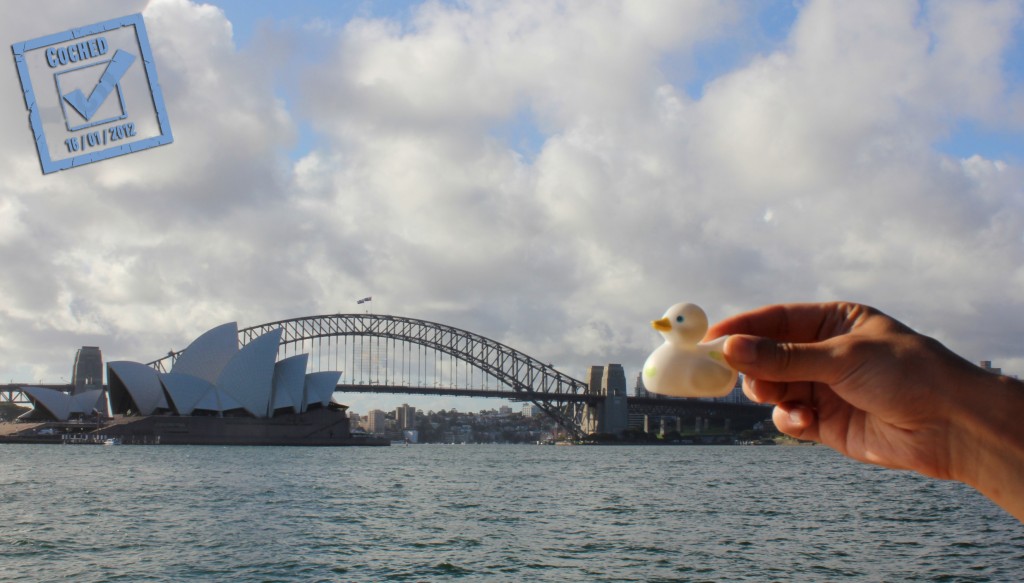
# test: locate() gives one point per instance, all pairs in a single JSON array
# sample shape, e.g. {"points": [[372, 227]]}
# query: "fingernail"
{"points": [[741, 349], [799, 417]]}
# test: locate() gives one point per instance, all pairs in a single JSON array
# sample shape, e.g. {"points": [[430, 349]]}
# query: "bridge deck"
{"points": [[462, 392]]}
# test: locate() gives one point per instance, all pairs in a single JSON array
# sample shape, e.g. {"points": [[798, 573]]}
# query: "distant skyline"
{"points": [[551, 175]]}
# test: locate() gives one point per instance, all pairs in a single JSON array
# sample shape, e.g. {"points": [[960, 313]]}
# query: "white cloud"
{"points": [[808, 172]]}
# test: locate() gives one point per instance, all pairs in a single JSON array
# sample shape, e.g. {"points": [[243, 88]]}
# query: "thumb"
{"points": [[770, 360]]}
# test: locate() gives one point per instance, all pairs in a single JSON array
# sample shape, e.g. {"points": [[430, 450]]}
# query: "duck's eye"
{"points": [[680, 319]]}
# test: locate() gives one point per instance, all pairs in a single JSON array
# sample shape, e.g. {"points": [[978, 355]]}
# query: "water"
{"points": [[496, 513]]}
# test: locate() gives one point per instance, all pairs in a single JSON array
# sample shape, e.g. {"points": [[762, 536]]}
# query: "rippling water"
{"points": [[503, 513]]}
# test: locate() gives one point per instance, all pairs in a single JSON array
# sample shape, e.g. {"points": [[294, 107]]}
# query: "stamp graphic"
{"points": [[92, 93]]}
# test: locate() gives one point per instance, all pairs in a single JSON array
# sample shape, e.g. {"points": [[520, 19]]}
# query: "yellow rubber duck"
{"points": [[683, 366]]}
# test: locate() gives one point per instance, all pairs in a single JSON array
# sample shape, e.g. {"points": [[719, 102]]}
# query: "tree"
{"points": [[9, 411]]}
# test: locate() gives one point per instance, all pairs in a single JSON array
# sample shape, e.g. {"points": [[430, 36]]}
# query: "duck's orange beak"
{"points": [[662, 325]]}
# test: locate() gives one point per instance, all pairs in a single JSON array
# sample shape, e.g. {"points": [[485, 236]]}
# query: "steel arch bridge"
{"points": [[382, 353]]}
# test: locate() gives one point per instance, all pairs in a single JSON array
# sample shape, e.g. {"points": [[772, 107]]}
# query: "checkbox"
{"points": [[110, 80], [111, 108]]}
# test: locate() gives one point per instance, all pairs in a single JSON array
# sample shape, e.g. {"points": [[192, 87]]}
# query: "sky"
{"points": [[551, 175]]}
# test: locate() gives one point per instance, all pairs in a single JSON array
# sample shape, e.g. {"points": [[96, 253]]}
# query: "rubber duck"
{"points": [[684, 366]]}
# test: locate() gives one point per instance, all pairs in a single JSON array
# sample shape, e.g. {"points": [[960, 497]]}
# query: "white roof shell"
{"points": [[88, 401], [249, 376], [185, 391], [57, 403], [207, 356], [218, 401], [289, 381], [212, 374], [142, 383], [320, 387], [63, 405]]}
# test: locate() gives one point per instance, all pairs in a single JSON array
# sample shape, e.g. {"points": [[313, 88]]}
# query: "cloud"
{"points": [[159, 242], [808, 171]]}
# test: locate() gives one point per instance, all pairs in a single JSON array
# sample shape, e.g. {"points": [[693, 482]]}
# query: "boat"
{"points": [[112, 441]]}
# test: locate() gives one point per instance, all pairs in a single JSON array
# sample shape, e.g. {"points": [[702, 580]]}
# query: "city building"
{"points": [[987, 365], [639, 390], [375, 422], [530, 410], [405, 417]]}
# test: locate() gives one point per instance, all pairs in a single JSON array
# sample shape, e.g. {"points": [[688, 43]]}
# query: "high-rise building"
{"points": [[375, 420], [987, 365], [405, 417], [639, 390]]}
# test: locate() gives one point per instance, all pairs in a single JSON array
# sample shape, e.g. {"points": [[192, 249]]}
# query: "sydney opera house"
{"points": [[215, 393]]}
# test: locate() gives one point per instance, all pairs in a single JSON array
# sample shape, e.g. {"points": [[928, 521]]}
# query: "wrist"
{"points": [[988, 441]]}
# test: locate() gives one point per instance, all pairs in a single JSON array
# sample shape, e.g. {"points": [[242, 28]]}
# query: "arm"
{"points": [[854, 379]]}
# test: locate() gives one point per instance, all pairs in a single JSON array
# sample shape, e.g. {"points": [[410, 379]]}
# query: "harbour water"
{"points": [[495, 513]]}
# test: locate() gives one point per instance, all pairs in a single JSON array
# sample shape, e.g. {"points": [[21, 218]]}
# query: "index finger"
{"points": [[804, 322]]}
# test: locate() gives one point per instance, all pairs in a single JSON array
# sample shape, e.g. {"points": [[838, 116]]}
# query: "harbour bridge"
{"points": [[380, 353]]}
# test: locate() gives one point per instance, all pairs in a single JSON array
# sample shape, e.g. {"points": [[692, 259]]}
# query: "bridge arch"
{"points": [[526, 379]]}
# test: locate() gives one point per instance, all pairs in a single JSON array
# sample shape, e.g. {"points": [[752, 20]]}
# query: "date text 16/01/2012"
{"points": [[100, 138]]}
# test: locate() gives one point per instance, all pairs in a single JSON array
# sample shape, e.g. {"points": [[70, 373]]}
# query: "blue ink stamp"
{"points": [[96, 93]]}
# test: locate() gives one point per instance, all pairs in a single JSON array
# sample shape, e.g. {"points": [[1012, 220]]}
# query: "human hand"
{"points": [[852, 378]]}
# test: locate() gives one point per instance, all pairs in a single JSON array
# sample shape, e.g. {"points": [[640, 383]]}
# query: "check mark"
{"points": [[116, 69]]}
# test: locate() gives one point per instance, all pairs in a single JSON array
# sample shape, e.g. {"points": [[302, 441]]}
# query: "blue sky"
{"points": [[246, 16]]}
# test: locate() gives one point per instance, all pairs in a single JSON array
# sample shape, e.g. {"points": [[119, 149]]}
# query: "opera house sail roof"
{"points": [[61, 406], [212, 377]]}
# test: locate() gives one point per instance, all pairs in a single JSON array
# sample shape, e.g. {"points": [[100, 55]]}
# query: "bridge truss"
{"points": [[383, 353], [12, 394]]}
